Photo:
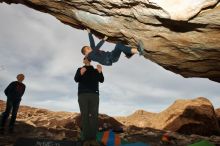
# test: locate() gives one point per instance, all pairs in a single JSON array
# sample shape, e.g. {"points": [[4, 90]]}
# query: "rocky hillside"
{"points": [[180, 35], [140, 126], [65, 123], [184, 116]]}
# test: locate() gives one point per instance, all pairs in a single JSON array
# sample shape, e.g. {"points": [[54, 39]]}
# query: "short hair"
{"points": [[20, 75], [87, 59], [83, 50]]}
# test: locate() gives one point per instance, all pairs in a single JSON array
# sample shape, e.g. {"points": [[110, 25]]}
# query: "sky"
{"points": [[48, 53]]}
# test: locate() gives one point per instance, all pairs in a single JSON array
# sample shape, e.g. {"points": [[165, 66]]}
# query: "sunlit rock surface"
{"points": [[196, 116], [180, 35]]}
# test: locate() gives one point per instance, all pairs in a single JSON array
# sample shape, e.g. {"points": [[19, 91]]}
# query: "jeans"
{"points": [[89, 108], [119, 47], [10, 105]]}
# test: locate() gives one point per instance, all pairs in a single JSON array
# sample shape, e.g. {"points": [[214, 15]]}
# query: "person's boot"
{"points": [[129, 55]]}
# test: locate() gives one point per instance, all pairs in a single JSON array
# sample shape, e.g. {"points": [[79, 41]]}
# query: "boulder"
{"points": [[196, 116], [181, 36], [191, 116]]}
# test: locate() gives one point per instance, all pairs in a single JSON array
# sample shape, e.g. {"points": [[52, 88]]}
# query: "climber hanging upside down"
{"points": [[94, 53]]}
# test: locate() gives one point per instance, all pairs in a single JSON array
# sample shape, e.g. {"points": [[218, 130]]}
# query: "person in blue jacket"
{"points": [[107, 58]]}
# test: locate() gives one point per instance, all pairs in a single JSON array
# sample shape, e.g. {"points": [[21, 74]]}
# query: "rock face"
{"points": [[184, 116], [189, 116], [181, 36]]}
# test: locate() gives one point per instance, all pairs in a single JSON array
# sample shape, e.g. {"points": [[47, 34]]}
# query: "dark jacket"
{"points": [[89, 81], [103, 57], [15, 90]]}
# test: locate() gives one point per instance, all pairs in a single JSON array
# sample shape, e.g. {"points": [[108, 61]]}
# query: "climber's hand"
{"points": [[105, 38], [88, 30]]}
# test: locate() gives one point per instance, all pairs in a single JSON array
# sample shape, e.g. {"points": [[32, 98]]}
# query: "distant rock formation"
{"points": [[57, 120], [190, 116], [42, 123], [180, 35], [140, 118], [196, 116]]}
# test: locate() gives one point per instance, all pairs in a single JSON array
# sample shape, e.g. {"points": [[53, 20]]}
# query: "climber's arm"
{"points": [[91, 39], [99, 45]]}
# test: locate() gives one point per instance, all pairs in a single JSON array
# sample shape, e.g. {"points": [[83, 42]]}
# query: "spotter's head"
{"points": [[86, 60], [20, 77]]}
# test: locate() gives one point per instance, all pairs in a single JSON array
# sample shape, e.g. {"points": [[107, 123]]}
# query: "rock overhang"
{"points": [[181, 36]]}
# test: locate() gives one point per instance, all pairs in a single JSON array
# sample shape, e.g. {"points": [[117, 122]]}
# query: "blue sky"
{"points": [[48, 53]]}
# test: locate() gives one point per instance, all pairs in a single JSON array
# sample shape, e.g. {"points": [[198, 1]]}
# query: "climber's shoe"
{"points": [[140, 47], [129, 55]]}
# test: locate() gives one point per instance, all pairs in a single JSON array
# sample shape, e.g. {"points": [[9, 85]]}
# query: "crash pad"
{"points": [[202, 143]]}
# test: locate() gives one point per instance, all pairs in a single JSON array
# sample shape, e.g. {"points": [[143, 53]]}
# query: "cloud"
{"points": [[48, 53], [60, 104]]}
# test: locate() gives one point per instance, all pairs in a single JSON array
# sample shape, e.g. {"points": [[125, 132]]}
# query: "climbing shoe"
{"points": [[140, 47], [129, 55]]}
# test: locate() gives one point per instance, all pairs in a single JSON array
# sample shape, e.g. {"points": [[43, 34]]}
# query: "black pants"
{"points": [[89, 108], [10, 105]]}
